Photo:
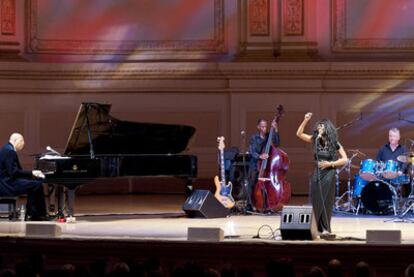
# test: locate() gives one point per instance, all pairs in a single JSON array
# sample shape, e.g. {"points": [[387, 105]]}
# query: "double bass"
{"points": [[272, 190]]}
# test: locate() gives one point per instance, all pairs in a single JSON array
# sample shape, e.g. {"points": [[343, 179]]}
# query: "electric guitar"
{"points": [[223, 190]]}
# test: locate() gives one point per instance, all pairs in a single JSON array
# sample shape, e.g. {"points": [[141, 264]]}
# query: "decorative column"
{"points": [[298, 38], [255, 30], [9, 43]]}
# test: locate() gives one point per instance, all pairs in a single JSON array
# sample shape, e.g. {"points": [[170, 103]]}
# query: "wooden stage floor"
{"points": [[159, 220], [161, 217]]}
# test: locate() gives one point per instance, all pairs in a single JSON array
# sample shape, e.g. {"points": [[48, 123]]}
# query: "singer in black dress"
{"points": [[326, 148]]}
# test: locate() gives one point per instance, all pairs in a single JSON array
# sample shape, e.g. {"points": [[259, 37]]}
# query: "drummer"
{"points": [[392, 150]]}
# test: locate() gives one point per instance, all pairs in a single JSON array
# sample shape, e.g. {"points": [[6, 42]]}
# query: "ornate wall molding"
{"points": [[259, 17], [35, 44], [341, 43], [293, 17], [201, 72], [8, 17]]}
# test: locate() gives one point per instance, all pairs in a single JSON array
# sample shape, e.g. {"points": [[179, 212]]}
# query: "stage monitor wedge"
{"points": [[205, 234], [43, 229], [202, 203], [298, 223], [383, 236]]}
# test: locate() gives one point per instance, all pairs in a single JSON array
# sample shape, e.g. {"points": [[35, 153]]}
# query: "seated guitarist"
{"points": [[256, 147]]}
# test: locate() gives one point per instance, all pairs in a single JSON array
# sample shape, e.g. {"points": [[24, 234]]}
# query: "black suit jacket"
{"points": [[10, 168]]}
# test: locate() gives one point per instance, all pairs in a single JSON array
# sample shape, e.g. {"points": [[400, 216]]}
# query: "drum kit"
{"points": [[379, 188]]}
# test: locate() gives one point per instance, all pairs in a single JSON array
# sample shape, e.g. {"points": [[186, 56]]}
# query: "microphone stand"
{"points": [[350, 122], [245, 179], [324, 213], [348, 193], [403, 119], [348, 168]]}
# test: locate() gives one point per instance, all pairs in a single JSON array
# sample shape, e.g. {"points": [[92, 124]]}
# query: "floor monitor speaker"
{"points": [[202, 203], [298, 223]]}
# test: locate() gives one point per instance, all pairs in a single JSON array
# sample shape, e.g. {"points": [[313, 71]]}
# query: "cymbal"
{"points": [[406, 158]]}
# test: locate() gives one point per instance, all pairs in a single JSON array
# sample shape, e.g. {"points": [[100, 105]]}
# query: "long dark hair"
{"points": [[330, 135]]}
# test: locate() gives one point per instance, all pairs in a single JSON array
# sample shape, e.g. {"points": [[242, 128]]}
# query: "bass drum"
{"points": [[376, 197]]}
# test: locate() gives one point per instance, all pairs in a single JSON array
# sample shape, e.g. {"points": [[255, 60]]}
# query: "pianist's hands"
{"points": [[38, 174]]}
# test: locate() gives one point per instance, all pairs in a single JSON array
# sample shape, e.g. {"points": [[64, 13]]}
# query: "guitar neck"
{"points": [[223, 174]]}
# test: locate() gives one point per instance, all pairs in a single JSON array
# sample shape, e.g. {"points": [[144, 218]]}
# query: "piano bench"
{"points": [[11, 202]]}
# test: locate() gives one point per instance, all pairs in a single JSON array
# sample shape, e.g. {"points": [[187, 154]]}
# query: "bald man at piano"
{"points": [[15, 181]]}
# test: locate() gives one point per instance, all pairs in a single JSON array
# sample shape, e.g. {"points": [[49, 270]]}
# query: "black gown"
{"points": [[323, 188]]}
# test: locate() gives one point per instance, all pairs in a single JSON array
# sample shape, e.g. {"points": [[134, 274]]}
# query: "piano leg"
{"points": [[56, 193], [61, 200], [71, 202], [52, 198]]}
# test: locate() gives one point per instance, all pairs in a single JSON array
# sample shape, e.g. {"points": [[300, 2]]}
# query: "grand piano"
{"points": [[101, 146]]}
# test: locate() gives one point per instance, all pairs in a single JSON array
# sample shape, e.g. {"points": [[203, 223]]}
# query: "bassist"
{"points": [[256, 147]]}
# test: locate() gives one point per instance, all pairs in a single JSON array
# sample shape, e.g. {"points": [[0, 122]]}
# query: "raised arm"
{"points": [[300, 133]]}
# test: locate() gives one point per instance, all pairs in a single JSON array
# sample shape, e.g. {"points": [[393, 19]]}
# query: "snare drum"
{"points": [[390, 170], [368, 170]]}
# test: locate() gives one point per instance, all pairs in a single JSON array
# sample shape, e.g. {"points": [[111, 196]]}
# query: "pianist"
{"points": [[15, 181]]}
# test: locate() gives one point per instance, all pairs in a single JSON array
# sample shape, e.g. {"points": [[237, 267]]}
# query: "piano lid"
{"points": [[113, 136]]}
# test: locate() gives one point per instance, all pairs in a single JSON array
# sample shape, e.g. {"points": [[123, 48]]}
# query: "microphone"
{"points": [[50, 149], [411, 141], [318, 135]]}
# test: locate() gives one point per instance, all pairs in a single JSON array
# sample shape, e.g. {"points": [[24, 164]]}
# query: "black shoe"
{"points": [[60, 215], [250, 209], [39, 218], [56, 215]]}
